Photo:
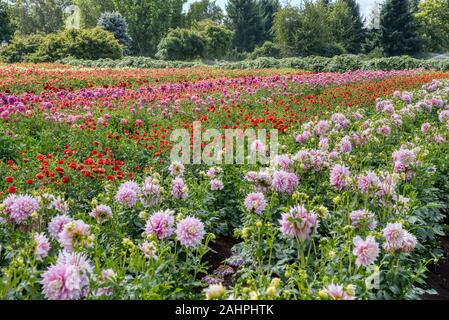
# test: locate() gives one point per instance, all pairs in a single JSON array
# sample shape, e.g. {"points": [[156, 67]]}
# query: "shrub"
{"points": [[217, 39], [181, 44], [92, 44], [267, 49], [20, 47]]}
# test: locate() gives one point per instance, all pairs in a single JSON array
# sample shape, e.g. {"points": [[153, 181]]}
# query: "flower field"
{"points": [[93, 207]]}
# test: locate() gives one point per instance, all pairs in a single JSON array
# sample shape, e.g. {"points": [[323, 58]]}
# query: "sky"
{"points": [[365, 5]]}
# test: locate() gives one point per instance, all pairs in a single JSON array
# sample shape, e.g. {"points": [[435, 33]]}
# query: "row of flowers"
{"points": [[351, 210]]}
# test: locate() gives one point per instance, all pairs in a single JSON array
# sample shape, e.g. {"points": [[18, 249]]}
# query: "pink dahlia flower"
{"points": [[366, 251], [160, 224], [255, 202], [299, 223], [190, 232]]}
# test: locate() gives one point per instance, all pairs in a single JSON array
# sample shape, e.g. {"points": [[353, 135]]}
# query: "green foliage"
{"points": [[32, 16], [6, 27], [298, 33], [181, 44], [20, 47], [398, 30], [268, 9], [346, 25], [91, 10], [245, 20], [128, 62], [149, 21], [340, 63], [267, 49], [203, 10], [217, 39], [83, 44], [433, 16]]}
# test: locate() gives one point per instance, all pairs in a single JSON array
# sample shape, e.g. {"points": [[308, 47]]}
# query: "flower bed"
{"points": [[350, 209]]}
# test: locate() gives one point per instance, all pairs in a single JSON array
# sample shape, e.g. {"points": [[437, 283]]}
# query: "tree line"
{"points": [[246, 28]]}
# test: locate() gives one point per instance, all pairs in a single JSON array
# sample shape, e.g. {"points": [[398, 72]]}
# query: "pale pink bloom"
{"points": [[179, 189], [216, 184], [213, 172], [22, 207], [405, 156], [339, 177], [151, 192], [336, 292], [368, 181], [360, 218], [74, 232], [303, 137], [425, 127], [42, 246], [258, 146], [394, 236], [57, 224], [321, 127], [384, 131], [340, 121], [176, 168], [284, 181], [299, 223], [366, 251], [101, 213], [323, 144], [148, 250], [58, 204], [68, 279], [190, 232], [444, 116], [409, 242], [345, 145], [283, 161], [161, 224], [255, 202]]}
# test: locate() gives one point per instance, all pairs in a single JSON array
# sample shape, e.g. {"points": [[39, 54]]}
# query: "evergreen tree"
{"points": [[268, 9], [6, 27], [358, 35], [398, 31], [117, 25], [245, 20]]}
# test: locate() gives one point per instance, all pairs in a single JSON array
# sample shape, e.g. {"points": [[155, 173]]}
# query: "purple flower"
{"points": [[190, 232], [22, 207], [57, 224]]}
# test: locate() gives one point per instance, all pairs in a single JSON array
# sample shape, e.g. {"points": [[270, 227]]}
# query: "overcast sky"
{"points": [[365, 5]]}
